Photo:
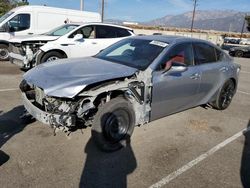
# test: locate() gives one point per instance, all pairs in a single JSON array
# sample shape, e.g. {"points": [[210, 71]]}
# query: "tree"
{"points": [[6, 5]]}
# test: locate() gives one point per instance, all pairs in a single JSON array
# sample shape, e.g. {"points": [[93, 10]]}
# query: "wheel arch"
{"points": [[235, 83], [112, 94], [56, 50], [4, 42], [219, 89]]}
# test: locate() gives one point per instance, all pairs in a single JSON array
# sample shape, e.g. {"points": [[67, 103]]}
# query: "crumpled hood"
{"points": [[68, 77], [21, 39]]}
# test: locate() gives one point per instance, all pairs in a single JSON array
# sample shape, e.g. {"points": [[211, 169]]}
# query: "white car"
{"points": [[23, 49], [245, 41], [34, 20], [86, 40]]}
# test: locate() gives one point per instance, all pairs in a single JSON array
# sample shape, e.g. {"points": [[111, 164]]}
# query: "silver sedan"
{"points": [[133, 82]]}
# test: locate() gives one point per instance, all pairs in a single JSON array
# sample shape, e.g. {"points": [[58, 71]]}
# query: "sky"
{"points": [[146, 10]]}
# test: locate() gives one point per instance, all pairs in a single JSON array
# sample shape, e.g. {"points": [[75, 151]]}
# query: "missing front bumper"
{"points": [[55, 120]]}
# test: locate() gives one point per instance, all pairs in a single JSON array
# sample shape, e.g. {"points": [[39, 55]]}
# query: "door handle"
{"points": [[195, 76], [30, 33], [223, 69], [94, 42]]}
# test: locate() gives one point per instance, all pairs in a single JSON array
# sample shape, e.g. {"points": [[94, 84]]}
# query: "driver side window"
{"points": [[181, 54], [20, 22], [88, 32]]}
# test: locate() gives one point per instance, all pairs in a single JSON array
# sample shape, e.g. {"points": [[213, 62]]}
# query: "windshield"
{"points": [[137, 53], [62, 30], [2, 18]]}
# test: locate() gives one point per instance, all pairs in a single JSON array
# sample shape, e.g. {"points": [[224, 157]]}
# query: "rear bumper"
{"points": [[55, 120]]}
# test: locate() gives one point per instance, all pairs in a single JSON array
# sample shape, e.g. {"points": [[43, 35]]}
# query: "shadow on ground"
{"points": [[107, 169], [10, 125], [245, 161]]}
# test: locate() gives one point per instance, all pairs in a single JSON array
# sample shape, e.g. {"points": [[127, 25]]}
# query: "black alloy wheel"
{"points": [[226, 94]]}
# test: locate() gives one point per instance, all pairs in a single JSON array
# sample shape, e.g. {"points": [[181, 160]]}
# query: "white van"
{"points": [[29, 20]]}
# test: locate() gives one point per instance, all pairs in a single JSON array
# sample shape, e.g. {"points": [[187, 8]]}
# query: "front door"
{"points": [[175, 90], [87, 46]]}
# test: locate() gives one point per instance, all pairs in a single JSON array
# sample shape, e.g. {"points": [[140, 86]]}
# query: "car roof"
{"points": [[107, 24], [169, 38]]}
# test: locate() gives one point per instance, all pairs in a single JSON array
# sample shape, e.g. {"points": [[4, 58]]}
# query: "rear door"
{"points": [[213, 69], [108, 35]]}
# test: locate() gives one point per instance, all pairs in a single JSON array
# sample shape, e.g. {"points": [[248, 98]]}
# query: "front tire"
{"points": [[225, 96], [113, 124], [51, 56], [4, 52]]}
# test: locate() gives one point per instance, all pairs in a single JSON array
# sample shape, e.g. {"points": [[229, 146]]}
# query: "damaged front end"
{"points": [[23, 54], [52, 111], [69, 113]]}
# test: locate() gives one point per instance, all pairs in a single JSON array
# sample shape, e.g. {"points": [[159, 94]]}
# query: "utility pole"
{"points": [[192, 25], [243, 26], [81, 5], [103, 4]]}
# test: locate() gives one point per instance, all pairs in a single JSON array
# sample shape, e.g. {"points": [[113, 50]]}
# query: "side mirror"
{"points": [[175, 67], [180, 68], [78, 37]]}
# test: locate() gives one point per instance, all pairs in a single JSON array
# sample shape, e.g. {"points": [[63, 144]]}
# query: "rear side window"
{"points": [[122, 33], [103, 31], [20, 22], [204, 53]]}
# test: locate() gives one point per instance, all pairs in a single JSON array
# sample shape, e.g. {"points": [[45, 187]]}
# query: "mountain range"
{"points": [[220, 20], [227, 20]]}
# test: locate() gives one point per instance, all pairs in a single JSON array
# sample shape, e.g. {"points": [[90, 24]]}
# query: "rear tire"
{"points": [[51, 56], [225, 96], [4, 52], [113, 124], [239, 53]]}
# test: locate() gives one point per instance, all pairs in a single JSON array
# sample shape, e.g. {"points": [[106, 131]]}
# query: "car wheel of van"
{"points": [[225, 96], [239, 53], [4, 52], [113, 124], [51, 56]]}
